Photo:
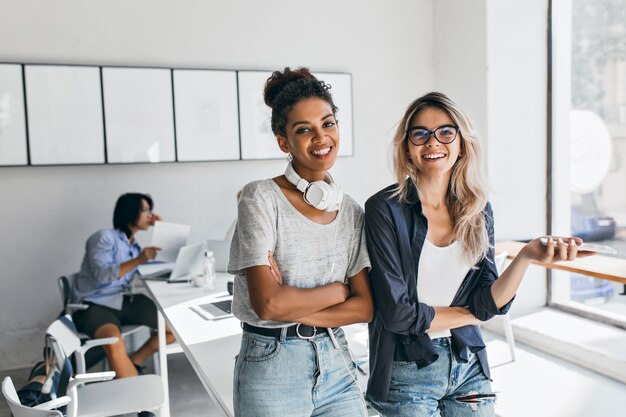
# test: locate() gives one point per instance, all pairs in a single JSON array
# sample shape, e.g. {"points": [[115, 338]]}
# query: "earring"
{"points": [[289, 157]]}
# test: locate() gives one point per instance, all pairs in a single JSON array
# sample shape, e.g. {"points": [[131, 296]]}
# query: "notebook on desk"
{"points": [[188, 263]]}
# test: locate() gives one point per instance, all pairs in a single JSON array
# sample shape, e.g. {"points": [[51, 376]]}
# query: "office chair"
{"points": [[46, 409], [105, 396], [65, 288], [500, 261]]}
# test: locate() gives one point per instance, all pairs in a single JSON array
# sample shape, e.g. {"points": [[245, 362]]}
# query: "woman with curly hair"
{"points": [[300, 265]]}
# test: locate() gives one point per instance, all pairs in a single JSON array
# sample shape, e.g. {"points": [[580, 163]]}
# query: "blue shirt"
{"points": [[97, 281], [395, 233]]}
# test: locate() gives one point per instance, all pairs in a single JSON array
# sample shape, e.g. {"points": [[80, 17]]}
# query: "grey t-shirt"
{"points": [[304, 250]]}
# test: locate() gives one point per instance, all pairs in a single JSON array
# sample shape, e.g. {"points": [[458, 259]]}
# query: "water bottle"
{"points": [[208, 270]]}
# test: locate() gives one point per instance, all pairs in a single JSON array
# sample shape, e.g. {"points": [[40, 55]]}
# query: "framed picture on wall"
{"points": [[257, 139], [341, 89], [139, 114], [207, 120], [12, 121], [64, 107]]}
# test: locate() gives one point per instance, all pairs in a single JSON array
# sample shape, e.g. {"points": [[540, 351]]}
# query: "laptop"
{"points": [[221, 252], [188, 263], [215, 310]]}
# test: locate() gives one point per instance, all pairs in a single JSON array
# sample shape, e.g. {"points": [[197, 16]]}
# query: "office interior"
{"points": [[494, 57]]}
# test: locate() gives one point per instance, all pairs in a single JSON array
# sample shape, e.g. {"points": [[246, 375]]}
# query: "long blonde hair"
{"points": [[466, 196]]}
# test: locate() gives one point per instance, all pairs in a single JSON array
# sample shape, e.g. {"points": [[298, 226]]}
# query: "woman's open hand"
{"points": [[557, 248]]}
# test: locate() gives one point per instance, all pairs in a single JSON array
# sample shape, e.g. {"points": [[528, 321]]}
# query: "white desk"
{"points": [[211, 346], [206, 343]]}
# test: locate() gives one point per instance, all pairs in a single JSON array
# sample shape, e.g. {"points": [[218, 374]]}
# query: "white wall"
{"points": [[517, 62], [460, 56], [48, 212], [498, 74], [491, 57]]}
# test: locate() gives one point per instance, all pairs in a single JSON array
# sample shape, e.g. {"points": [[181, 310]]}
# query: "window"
{"points": [[589, 128]]}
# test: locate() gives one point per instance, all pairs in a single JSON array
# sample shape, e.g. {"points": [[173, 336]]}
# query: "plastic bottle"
{"points": [[208, 270]]}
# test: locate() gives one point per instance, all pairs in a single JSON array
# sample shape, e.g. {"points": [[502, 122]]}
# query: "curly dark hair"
{"points": [[284, 89]]}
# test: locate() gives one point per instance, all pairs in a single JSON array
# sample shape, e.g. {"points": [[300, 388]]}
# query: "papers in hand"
{"points": [[170, 237]]}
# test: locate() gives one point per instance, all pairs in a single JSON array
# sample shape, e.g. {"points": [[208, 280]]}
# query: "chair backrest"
{"points": [[500, 261], [19, 410], [65, 283], [63, 331], [63, 341], [65, 289]]}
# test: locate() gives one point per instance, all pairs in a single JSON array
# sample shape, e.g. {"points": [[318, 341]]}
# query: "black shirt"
{"points": [[395, 233]]}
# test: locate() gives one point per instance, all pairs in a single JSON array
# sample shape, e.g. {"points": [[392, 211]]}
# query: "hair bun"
{"points": [[279, 80]]}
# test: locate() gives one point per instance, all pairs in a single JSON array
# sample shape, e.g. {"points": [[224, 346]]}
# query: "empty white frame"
{"points": [[341, 90], [257, 139], [64, 106], [139, 114], [207, 122], [12, 122]]}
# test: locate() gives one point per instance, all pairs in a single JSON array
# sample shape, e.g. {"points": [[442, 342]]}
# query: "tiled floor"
{"points": [[536, 385], [540, 385]]}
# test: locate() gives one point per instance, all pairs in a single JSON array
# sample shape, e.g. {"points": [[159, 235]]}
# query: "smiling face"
{"points": [[433, 159], [312, 138]]}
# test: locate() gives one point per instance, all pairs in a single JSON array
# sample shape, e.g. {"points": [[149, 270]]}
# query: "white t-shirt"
{"points": [[304, 250], [440, 273]]}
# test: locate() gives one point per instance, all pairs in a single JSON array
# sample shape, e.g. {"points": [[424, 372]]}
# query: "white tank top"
{"points": [[440, 273]]}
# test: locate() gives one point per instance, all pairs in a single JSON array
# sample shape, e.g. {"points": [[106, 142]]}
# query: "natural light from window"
{"points": [[590, 97]]}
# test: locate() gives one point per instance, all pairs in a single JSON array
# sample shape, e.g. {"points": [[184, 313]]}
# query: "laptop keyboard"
{"points": [[225, 305]]}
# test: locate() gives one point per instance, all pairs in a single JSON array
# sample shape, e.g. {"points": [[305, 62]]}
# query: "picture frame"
{"points": [[206, 114], [13, 139], [257, 139], [139, 115], [64, 107]]}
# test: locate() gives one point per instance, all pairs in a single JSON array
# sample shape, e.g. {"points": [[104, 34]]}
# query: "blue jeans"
{"points": [[446, 388], [296, 377]]}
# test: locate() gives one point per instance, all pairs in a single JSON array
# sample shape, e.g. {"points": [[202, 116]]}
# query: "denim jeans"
{"points": [[296, 377], [446, 388]]}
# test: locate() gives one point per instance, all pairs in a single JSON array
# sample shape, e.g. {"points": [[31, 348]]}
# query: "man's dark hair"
{"points": [[127, 210]]}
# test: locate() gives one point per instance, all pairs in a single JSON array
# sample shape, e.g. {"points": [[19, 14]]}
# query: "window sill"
{"points": [[595, 346]]}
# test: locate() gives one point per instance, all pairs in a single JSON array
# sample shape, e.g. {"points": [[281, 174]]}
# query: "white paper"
{"points": [[170, 237]]}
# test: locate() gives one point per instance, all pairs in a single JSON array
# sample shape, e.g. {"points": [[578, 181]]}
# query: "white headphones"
{"points": [[319, 194]]}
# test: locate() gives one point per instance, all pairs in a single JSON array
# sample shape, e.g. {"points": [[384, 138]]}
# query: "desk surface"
{"points": [[598, 266], [211, 345]]}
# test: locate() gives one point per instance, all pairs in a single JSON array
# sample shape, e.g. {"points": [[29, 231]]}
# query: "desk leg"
{"points": [[165, 409]]}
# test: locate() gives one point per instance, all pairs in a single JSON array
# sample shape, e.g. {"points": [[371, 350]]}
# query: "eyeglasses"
{"points": [[419, 136]]}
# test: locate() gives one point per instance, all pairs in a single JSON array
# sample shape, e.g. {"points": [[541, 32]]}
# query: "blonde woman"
{"points": [[430, 239]]}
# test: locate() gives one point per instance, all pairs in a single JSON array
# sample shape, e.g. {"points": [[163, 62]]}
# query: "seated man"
{"points": [[108, 268]]}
